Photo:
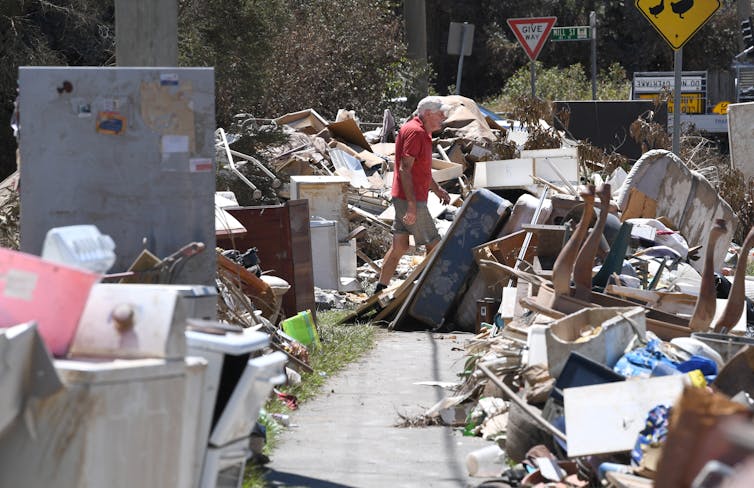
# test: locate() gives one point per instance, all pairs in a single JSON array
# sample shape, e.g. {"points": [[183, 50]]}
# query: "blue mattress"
{"points": [[444, 280]]}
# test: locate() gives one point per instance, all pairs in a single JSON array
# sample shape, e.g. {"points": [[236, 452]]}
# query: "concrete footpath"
{"points": [[347, 436]]}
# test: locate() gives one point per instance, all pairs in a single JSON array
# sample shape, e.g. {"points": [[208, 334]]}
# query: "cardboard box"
{"points": [[306, 121], [348, 131], [445, 171]]}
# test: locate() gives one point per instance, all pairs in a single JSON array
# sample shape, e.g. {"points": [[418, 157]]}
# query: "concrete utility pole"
{"points": [[593, 25], [743, 11], [415, 14], [146, 32], [743, 8]]}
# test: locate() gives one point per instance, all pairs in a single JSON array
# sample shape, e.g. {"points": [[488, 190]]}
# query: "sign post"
{"points": [[460, 40], [581, 33], [531, 34], [593, 27], [677, 22]]}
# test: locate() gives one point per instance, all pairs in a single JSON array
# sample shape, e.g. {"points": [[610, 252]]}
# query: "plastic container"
{"points": [[52, 294], [486, 462], [724, 344], [537, 345], [578, 371], [302, 328], [80, 246]]}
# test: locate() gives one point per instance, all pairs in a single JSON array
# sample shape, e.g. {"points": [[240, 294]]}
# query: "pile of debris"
{"points": [[598, 356], [346, 174], [608, 350], [615, 355]]}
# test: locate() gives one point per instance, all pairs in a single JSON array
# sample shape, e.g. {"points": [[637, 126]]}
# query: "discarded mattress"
{"points": [[465, 119], [660, 184], [451, 264]]}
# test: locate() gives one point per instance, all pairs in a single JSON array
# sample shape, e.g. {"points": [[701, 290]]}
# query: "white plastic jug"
{"points": [[80, 246]]}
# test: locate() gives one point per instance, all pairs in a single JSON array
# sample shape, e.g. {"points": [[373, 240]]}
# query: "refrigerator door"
{"points": [[240, 414], [128, 149], [224, 466], [232, 344]]}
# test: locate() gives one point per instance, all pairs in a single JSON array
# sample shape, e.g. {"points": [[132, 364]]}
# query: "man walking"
{"points": [[412, 181]]}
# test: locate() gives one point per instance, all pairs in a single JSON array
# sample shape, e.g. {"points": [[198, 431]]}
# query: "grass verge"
{"points": [[341, 345]]}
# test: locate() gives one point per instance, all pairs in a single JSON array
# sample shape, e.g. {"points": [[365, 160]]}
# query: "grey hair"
{"points": [[431, 104]]}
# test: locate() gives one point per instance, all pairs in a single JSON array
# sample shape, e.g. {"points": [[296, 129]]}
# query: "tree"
{"points": [[46, 33]]}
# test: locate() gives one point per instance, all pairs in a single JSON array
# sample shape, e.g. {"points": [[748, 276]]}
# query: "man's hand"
{"points": [[442, 195], [410, 217]]}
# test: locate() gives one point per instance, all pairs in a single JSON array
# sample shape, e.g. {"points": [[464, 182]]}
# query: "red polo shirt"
{"points": [[413, 140]]}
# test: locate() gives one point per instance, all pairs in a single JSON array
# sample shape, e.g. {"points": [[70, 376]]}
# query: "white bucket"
{"points": [[486, 462]]}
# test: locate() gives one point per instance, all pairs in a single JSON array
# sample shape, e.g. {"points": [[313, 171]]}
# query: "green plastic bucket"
{"points": [[302, 328]]}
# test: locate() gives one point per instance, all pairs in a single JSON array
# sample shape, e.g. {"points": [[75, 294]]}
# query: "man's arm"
{"points": [[407, 183]]}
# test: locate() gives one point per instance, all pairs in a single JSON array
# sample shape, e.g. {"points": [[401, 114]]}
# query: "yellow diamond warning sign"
{"points": [[677, 20]]}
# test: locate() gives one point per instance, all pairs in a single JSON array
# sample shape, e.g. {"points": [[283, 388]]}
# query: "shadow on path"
{"points": [[279, 479]]}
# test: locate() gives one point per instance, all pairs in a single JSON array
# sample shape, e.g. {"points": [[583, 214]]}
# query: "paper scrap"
{"points": [[20, 284], [175, 144]]}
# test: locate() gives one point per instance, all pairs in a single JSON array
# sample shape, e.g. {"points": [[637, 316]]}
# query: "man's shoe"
{"points": [[378, 289]]}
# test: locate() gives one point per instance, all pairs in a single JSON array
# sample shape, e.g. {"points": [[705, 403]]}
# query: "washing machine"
{"points": [[238, 380]]}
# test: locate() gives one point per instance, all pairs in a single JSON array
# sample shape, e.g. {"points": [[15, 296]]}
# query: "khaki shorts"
{"points": [[423, 230]]}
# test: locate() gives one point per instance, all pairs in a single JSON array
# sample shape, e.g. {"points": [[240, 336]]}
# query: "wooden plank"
{"points": [[675, 303], [625, 480], [368, 260], [368, 216], [398, 292], [534, 279], [250, 284], [141, 266], [391, 307], [506, 249], [532, 305]]}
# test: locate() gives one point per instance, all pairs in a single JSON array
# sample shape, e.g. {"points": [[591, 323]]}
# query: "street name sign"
{"points": [[677, 21], [573, 33], [532, 33]]}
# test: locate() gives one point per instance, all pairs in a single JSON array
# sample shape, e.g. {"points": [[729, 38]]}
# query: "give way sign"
{"points": [[532, 33]]}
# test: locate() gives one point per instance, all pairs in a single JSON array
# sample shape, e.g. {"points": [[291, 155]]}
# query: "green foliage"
{"points": [[47, 33], [287, 55], [276, 56], [237, 39], [568, 83]]}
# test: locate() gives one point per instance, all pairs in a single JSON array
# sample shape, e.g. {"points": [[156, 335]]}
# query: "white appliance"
{"points": [[327, 196], [235, 387], [23, 357], [191, 463], [138, 149], [116, 424], [129, 412], [139, 320], [325, 254]]}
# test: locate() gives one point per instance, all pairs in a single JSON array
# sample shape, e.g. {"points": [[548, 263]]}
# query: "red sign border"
{"points": [[514, 23]]}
